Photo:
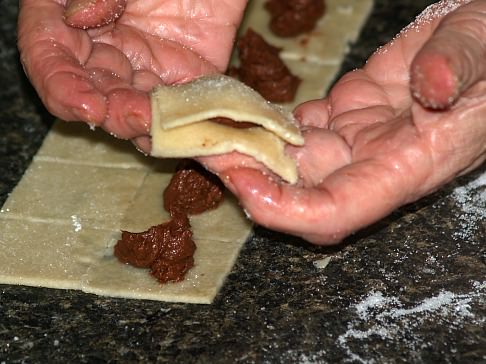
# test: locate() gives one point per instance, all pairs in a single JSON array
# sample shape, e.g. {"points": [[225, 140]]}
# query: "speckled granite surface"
{"points": [[412, 288]]}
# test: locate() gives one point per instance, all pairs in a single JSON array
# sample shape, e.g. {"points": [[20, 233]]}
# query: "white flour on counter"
{"points": [[389, 319], [471, 199], [397, 323], [385, 317]]}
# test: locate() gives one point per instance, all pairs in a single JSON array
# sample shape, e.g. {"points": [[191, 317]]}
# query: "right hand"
{"points": [[388, 134]]}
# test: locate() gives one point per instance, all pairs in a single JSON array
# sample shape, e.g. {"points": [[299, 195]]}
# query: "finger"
{"points": [[453, 59], [355, 102], [192, 24], [220, 163], [313, 113], [72, 97], [350, 123], [93, 13], [53, 60], [290, 209], [128, 113], [343, 203], [323, 153], [356, 90], [63, 85], [110, 59], [166, 59], [145, 81], [143, 144]]}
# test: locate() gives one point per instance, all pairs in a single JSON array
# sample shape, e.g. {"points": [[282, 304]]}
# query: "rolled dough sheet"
{"points": [[77, 144], [59, 225], [316, 79], [220, 96], [327, 43], [180, 126], [208, 138], [317, 56]]}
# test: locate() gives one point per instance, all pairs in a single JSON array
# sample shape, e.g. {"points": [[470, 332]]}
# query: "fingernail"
{"points": [[137, 123], [75, 6], [228, 182], [81, 115]]}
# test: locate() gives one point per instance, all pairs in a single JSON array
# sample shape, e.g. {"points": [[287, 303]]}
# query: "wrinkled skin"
{"points": [[102, 75], [370, 145]]}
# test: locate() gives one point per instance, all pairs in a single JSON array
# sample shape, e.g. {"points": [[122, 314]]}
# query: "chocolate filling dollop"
{"points": [[168, 249], [262, 69], [290, 18], [192, 190]]}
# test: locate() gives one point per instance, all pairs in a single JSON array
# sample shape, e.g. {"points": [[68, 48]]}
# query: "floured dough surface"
{"points": [[209, 138], [98, 196], [220, 96], [314, 57], [76, 143], [327, 43], [213, 261], [48, 254], [60, 224], [180, 126]]}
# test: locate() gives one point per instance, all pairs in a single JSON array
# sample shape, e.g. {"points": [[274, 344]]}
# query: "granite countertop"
{"points": [[411, 288]]}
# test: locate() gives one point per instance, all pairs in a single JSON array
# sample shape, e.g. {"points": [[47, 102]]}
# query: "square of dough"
{"points": [[147, 207], [213, 261], [97, 196], [227, 223], [49, 255], [71, 142], [327, 43], [49, 231], [316, 80]]}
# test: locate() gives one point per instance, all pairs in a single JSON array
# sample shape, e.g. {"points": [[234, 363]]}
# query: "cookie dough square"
{"points": [[96, 196], [213, 262], [147, 207], [227, 223], [316, 80], [71, 142], [327, 43], [49, 255]]}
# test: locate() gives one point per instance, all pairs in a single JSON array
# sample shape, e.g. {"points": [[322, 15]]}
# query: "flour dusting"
{"points": [[471, 199], [427, 16], [435, 11], [389, 319], [76, 221]]}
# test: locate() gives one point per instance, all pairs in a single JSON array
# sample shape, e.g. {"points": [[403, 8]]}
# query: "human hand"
{"points": [[102, 74], [407, 123]]}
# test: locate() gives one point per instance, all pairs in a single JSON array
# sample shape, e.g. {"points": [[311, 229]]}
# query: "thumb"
{"points": [[93, 13], [452, 60]]}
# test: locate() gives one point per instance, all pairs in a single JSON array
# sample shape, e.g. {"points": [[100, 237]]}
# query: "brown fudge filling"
{"points": [[192, 190], [290, 18], [262, 69], [168, 249], [233, 124]]}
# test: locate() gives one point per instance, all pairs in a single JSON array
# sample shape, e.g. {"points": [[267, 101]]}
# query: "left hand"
{"points": [[102, 70], [407, 123]]}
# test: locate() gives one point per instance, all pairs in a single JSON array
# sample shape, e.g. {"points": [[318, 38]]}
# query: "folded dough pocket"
{"points": [[182, 126]]}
